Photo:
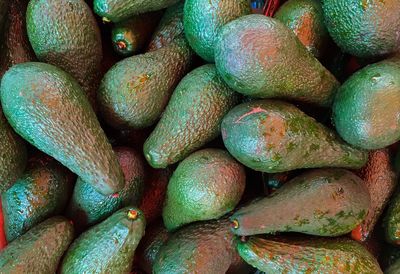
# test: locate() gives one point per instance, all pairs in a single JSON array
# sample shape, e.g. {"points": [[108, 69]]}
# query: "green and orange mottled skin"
{"points": [[203, 19], [135, 91], [192, 117], [360, 102], [306, 19], [64, 33], [169, 28], [364, 28], [88, 207], [206, 185], [308, 256], [392, 220], [43, 191], [119, 10], [205, 247], [40, 249], [274, 136], [48, 108], [131, 36], [108, 247], [322, 202], [281, 68]]}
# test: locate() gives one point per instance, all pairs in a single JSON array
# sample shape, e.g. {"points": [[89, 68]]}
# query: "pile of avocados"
{"points": [[196, 136]]}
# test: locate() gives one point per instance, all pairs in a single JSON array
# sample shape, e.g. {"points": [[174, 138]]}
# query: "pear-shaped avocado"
{"points": [[49, 109]]}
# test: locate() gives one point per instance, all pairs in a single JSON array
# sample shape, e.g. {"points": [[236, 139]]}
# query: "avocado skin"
{"points": [[64, 33], [203, 20], [43, 191], [135, 91], [40, 249], [275, 136], [48, 108], [360, 102], [88, 207], [281, 68], [322, 202], [308, 256], [206, 185], [192, 117], [119, 10], [306, 19], [364, 28], [391, 221], [108, 247]]}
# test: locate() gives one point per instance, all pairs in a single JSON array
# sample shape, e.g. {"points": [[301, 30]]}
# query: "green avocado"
{"points": [[392, 220]]}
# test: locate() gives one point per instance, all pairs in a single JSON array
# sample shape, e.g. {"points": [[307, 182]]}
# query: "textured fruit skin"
{"points": [[135, 91], [132, 35], [40, 249], [392, 220], [169, 28], [48, 108], [306, 19], [88, 207], [206, 185], [324, 202], [108, 247], [274, 136], [308, 256], [203, 19], [192, 117], [64, 33], [42, 191], [281, 68], [119, 10], [360, 102], [364, 28], [206, 247]]}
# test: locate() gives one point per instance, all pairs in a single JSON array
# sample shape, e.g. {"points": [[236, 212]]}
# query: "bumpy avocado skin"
{"points": [[364, 28], [206, 185], [392, 220], [40, 249], [119, 10], [275, 136], [108, 247], [322, 202], [361, 101], [308, 256], [192, 117], [48, 108], [279, 68], [135, 91], [306, 19], [204, 19], [88, 207], [43, 191], [64, 33]]}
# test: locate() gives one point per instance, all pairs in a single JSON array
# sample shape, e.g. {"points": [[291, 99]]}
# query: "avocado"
{"points": [[169, 28], [322, 202], [108, 247], [311, 256], [360, 102], [306, 19], [279, 68], [275, 136], [135, 91], [203, 19], [88, 207], [40, 249], [119, 10], [391, 221], [206, 185], [131, 36], [192, 117], [364, 28], [48, 108], [42, 191], [64, 33]]}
